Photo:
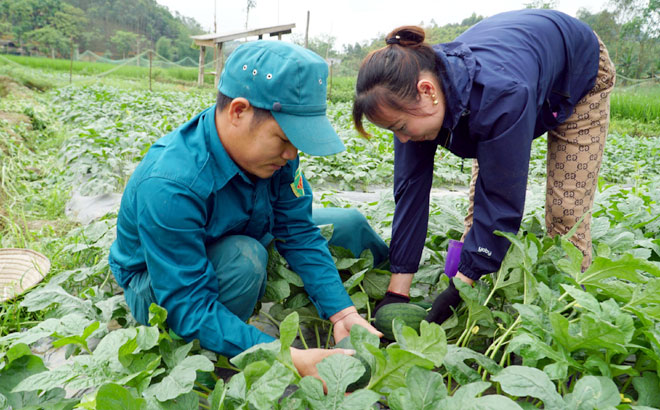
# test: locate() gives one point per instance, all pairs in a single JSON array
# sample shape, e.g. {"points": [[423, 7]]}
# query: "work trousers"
{"points": [[240, 263], [574, 156]]}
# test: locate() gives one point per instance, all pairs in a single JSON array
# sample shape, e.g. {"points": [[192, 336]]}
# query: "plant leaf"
{"points": [[528, 381], [113, 396], [431, 343], [454, 362], [269, 388], [593, 392]]}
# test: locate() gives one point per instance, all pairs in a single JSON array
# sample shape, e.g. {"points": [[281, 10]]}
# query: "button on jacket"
{"points": [[186, 194], [506, 80]]}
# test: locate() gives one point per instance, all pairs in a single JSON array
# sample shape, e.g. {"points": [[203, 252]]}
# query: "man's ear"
{"points": [[239, 110]]}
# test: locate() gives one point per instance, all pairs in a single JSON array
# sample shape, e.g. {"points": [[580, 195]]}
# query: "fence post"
{"points": [[218, 64], [150, 59], [330, 90], [71, 65], [200, 73]]}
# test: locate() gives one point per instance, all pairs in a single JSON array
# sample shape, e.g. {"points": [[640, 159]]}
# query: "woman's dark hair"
{"points": [[388, 76], [260, 115]]}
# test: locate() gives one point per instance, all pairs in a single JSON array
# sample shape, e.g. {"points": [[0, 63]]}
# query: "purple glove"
{"points": [[453, 257]]}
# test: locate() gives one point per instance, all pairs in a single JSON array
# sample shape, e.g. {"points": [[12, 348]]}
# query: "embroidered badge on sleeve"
{"points": [[297, 184]]}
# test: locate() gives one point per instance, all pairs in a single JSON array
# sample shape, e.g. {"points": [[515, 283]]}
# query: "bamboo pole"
{"points": [[218, 65], [71, 65], [151, 56], [200, 73], [307, 31]]}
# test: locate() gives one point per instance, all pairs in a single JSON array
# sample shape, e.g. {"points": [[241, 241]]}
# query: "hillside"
{"points": [[115, 29]]}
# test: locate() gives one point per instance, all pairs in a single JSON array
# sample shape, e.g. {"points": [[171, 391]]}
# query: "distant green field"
{"points": [[635, 110], [639, 103], [176, 74]]}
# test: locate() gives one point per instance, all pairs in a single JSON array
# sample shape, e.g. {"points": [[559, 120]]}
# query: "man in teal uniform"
{"points": [[206, 200]]}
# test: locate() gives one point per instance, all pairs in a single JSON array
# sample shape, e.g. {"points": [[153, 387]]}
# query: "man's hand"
{"points": [[306, 360], [345, 319]]}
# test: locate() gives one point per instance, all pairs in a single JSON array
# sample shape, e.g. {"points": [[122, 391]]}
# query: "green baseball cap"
{"points": [[290, 82]]}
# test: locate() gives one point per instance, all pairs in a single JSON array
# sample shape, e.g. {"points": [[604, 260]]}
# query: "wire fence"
{"points": [[141, 61], [636, 82], [151, 59], [148, 60]]}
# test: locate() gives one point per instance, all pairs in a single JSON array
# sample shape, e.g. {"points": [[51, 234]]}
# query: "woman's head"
{"points": [[398, 88]]}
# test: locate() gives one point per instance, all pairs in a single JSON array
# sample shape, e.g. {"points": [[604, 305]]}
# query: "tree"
{"points": [[322, 45], [49, 39], [250, 5], [163, 47], [541, 4], [70, 21], [640, 30], [472, 20], [17, 13], [5, 28], [124, 41]]}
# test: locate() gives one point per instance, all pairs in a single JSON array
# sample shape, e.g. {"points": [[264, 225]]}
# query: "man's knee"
{"points": [[350, 221], [254, 256], [240, 256]]}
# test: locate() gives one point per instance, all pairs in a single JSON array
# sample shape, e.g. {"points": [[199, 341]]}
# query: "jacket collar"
{"points": [[457, 70]]}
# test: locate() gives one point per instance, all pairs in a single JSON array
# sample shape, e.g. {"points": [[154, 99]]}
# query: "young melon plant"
{"points": [[539, 333]]}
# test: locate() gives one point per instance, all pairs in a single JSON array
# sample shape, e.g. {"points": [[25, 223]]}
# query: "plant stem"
{"points": [[327, 341], [302, 338], [201, 386], [272, 319], [466, 332], [368, 307]]}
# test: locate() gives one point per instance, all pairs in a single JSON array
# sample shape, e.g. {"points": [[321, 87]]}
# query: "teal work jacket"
{"points": [[186, 194]]}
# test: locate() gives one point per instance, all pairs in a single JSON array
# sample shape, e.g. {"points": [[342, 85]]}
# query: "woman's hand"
{"points": [[447, 301], [345, 319]]}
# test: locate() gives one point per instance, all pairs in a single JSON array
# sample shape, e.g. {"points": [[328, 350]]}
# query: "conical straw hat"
{"points": [[20, 269]]}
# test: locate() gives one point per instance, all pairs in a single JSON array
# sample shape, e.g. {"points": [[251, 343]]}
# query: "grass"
{"points": [[175, 74], [641, 104], [636, 111], [341, 89]]}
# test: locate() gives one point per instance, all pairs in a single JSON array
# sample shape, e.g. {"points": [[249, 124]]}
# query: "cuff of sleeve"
{"points": [[331, 301], [467, 271], [404, 268]]}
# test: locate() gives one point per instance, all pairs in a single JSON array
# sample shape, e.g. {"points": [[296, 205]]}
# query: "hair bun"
{"points": [[406, 36]]}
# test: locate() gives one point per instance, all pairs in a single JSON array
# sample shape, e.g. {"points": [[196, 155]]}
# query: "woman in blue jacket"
{"points": [[504, 82]]}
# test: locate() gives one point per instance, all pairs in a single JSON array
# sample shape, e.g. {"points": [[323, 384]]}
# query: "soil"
{"points": [[15, 118], [9, 86]]}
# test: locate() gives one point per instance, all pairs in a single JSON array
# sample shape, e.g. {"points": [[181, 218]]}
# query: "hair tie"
{"points": [[393, 40]]}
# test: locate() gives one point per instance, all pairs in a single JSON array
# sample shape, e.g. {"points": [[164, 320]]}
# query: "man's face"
{"points": [[259, 148]]}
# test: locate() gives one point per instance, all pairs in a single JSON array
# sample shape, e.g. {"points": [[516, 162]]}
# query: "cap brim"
{"points": [[312, 135]]}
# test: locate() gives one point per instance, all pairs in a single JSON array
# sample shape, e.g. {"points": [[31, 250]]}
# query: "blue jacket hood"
{"points": [[457, 70]]}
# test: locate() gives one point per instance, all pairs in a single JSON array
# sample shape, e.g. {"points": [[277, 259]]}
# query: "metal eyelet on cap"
{"points": [[245, 67], [277, 106], [254, 72], [320, 81], [269, 76]]}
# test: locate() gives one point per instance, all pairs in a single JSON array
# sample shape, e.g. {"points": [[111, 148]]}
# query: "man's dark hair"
{"points": [[260, 115]]}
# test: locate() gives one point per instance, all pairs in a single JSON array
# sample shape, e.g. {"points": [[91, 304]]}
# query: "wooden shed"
{"points": [[218, 39]]}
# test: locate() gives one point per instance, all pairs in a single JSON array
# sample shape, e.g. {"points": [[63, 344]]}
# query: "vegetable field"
{"points": [[539, 333]]}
